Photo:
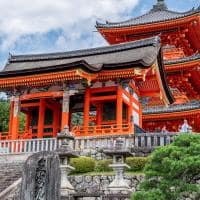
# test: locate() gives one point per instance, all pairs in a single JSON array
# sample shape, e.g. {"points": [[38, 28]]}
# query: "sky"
{"points": [[43, 26]]}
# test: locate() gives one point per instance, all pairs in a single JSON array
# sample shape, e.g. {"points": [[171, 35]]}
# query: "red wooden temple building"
{"points": [[180, 41], [105, 84], [148, 77]]}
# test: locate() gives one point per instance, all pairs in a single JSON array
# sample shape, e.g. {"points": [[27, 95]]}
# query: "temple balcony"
{"points": [[113, 129]]}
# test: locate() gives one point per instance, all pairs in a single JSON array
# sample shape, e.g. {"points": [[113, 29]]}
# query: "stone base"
{"points": [[66, 192]]}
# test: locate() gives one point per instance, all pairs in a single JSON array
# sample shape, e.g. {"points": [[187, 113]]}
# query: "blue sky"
{"points": [[63, 25]]}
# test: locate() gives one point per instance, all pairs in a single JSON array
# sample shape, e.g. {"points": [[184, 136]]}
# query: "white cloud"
{"points": [[76, 19]]}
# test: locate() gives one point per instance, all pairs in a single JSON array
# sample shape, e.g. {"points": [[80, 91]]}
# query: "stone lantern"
{"points": [[65, 152], [119, 153]]}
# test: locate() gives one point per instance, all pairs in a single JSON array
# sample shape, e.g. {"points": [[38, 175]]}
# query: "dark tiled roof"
{"points": [[158, 13], [172, 108], [182, 60], [142, 52]]}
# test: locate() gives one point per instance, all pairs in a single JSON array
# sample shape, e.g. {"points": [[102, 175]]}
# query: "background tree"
{"points": [[173, 171], [5, 114]]}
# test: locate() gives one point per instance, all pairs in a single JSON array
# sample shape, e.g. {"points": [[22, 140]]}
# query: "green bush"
{"points": [[136, 163], [152, 195], [172, 171], [83, 164], [103, 165]]}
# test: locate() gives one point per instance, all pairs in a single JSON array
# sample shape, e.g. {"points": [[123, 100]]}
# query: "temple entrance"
{"points": [[42, 117]]}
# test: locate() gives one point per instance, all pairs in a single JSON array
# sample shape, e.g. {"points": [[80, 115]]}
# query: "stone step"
{"points": [[9, 173]]}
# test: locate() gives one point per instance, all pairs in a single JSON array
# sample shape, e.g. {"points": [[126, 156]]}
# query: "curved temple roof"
{"points": [[172, 108], [158, 13], [182, 60], [142, 52]]}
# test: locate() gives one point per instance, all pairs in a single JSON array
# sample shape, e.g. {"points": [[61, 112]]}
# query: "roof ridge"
{"points": [[86, 52], [184, 59], [159, 7]]}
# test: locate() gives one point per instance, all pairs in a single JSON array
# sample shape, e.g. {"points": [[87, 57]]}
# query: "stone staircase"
{"points": [[9, 173], [10, 170]]}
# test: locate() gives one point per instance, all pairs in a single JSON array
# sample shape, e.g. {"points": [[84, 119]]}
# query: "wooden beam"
{"points": [[104, 89], [103, 98], [42, 95], [26, 105]]}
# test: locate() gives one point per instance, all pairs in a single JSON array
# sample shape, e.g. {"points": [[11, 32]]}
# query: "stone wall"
{"points": [[93, 184], [88, 184]]}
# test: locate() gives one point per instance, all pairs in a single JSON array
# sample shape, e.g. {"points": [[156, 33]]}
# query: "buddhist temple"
{"points": [[147, 78], [105, 84], [180, 40]]}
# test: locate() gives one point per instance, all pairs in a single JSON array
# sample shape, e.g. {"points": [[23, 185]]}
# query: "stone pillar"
{"points": [[66, 187], [65, 152], [65, 109]]}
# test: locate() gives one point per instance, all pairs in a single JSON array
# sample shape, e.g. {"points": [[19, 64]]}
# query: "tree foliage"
{"points": [[5, 115], [173, 171]]}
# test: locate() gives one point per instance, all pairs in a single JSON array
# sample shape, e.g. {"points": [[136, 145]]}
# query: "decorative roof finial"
{"points": [[159, 6]]}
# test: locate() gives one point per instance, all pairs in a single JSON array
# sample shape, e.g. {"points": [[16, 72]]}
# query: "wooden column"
{"points": [[99, 114], [15, 118], [28, 122], [140, 114], [55, 121], [11, 115], [129, 113], [86, 107], [119, 106], [41, 118], [65, 110]]}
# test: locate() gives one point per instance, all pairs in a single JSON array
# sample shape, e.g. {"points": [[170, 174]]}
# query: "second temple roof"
{"points": [[158, 13]]}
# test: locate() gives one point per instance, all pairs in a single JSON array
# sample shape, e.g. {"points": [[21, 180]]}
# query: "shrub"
{"points": [[83, 164], [103, 165], [136, 163], [152, 195], [173, 170]]}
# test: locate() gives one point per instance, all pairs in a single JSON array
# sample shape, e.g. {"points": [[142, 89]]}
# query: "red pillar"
{"points": [[41, 118], [65, 110], [11, 115], [28, 122], [129, 113], [99, 114], [119, 106], [86, 107], [15, 119], [140, 114], [55, 121]]}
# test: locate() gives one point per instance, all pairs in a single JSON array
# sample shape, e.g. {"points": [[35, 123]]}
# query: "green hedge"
{"points": [[137, 163], [103, 165], [88, 164], [83, 164]]}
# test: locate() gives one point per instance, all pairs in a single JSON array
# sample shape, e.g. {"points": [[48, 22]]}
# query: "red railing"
{"points": [[27, 134], [113, 129]]}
